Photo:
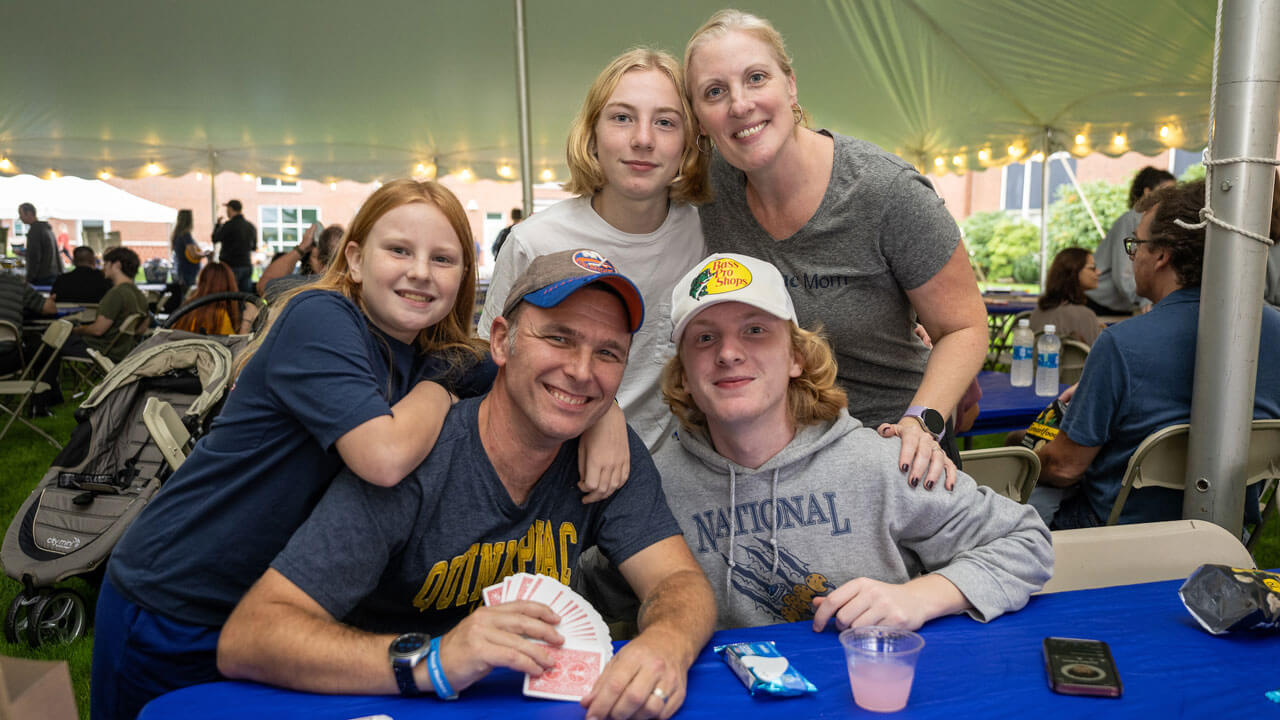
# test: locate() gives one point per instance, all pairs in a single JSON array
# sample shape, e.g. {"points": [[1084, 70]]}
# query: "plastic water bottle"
{"points": [[1023, 370], [1047, 362]]}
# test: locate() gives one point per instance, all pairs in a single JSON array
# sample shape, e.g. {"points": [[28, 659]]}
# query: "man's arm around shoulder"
{"points": [[677, 614]]}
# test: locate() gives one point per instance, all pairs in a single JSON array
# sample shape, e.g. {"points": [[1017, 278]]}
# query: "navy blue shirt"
{"points": [[1138, 380], [417, 555], [249, 483]]}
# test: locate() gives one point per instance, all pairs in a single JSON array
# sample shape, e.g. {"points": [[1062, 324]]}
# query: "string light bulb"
{"points": [[53, 174], [1164, 131], [290, 169], [1080, 139], [5, 164], [1015, 151], [104, 175], [465, 175], [957, 160], [1037, 157], [199, 176], [984, 154], [938, 162], [1119, 140], [425, 170], [333, 186], [506, 171], [247, 177], [153, 169], [546, 175]]}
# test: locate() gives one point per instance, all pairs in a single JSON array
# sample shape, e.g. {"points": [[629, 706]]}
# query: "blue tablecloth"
{"points": [[1170, 668], [1003, 407]]}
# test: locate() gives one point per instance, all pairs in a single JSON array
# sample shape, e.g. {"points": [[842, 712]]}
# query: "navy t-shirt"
{"points": [[417, 555], [216, 524]]}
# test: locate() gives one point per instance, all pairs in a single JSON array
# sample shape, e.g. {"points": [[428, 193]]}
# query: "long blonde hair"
{"points": [[690, 185], [453, 332]]}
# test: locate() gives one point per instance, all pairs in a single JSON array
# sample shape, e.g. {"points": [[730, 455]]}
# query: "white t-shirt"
{"points": [[653, 261]]}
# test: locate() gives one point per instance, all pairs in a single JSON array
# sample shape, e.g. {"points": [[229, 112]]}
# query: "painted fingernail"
{"points": [[928, 485], [904, 467], [915, 482]]}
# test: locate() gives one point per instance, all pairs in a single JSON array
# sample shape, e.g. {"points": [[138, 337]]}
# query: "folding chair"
{"points": [[166, 428], [12, 333], [1161, 460], [132, 326], [1071, 361], [1139, 553], [1010, 471], [103, 361], [29, 384]]}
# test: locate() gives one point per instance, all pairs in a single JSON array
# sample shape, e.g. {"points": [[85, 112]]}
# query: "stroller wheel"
{"points": [[58, 618], [18, 618]]}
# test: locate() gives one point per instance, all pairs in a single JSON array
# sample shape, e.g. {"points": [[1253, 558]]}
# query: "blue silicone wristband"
{"points": [[443, 690]]}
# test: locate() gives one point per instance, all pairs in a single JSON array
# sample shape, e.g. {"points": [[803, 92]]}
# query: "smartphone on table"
{"points": [[1081, 667]]}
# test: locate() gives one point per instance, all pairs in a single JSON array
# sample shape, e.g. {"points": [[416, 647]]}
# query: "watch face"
{"points": [[934, 421], [409, 643]]}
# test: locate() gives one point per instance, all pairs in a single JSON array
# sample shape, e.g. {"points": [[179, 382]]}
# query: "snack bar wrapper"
{"points": [[1223, 598], [762, 669]]}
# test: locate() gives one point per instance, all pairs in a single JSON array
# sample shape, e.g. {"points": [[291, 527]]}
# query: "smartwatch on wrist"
{"points": [[406, 651], [931, 420]]}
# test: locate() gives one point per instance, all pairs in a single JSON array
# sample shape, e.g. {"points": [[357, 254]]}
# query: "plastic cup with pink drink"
{"points": [[882, 664]]}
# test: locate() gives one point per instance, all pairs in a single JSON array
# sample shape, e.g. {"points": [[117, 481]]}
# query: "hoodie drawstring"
{"points": [[733, 521], [733, 486]]}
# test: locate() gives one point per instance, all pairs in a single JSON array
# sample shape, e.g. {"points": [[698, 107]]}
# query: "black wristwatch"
{"points": [[406, 651], [931, 420]]}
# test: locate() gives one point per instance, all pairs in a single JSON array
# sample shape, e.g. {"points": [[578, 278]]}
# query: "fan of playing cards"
{"points": [[586, 647]]}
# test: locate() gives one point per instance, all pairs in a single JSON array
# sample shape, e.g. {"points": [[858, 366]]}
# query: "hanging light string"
{"points": [[1206, 213]]}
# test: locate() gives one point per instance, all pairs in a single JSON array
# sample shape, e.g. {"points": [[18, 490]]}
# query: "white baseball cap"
{"points": [[726, 277]]}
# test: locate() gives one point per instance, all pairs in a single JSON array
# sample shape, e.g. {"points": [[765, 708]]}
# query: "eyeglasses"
{"points": [[1131, 244]]}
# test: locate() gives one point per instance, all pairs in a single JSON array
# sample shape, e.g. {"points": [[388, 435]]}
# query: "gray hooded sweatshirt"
{"points": [[843, 510]]}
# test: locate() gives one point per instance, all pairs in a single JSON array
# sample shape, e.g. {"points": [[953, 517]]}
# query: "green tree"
{"points": [[1069, 221], [1195, 172]]}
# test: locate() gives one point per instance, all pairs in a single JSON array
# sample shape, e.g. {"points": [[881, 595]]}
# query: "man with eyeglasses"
{"points": [[1139, 374]]}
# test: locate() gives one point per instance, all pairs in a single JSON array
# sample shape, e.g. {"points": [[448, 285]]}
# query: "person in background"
{"points": [[1272, 292], [311, 256], [120, 265], [1116, 293], [763, 425], [18, 301], [516, 216], [863, 239], [1070, 276], [43, 264], [217, 318], [635, 166], [1138, 378], [85, 283], [186, 254], [236, 239]]}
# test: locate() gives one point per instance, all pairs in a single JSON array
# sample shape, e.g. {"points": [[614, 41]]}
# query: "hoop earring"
{"points": [[797, 113], [698, 143]]}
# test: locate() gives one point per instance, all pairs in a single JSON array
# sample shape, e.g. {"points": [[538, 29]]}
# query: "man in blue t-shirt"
{"points": [[496, 496], [1138, 378]]}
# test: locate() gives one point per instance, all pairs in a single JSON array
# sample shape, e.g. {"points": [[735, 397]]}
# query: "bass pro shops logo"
{"points": [[720, 276]]}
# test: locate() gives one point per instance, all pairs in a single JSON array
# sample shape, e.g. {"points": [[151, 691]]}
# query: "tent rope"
{"points": [[1206, 213]]}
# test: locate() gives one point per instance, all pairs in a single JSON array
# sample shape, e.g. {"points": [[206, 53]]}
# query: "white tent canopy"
{"points": [[333, 89], [72, 198]]}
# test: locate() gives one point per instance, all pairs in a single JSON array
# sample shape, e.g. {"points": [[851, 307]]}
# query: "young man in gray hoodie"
{"points": [[794, 509]]}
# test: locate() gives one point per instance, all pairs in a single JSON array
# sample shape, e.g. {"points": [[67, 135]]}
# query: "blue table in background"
{"points": [[1003, 407], [1169, 667]]}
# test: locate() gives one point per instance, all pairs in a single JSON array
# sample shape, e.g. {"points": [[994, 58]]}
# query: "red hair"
{"points": [[216, 277]]}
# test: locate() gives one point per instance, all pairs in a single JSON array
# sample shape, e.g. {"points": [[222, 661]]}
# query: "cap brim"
{"points": [[556, 293]]}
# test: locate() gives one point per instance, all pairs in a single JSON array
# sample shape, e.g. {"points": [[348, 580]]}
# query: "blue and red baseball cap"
{"points": [[550, 279]]}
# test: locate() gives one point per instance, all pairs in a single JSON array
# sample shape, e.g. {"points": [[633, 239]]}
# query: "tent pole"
{"points": [[522, 101], [213, 188], [1245, 125], [1044, 212], [1084, 199]]}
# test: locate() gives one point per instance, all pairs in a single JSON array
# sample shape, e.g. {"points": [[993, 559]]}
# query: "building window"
{"points": [[1021, 182], [281, 226], [1183, 159], [267, 184]]}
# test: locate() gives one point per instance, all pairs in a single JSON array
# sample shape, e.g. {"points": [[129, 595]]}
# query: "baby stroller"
{"points": [[104, 477]]}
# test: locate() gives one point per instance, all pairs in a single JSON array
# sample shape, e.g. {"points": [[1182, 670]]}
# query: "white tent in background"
{"points": [[72, 198]]}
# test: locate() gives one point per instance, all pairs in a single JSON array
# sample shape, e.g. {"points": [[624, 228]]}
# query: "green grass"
{"points": [[28, 456]]}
